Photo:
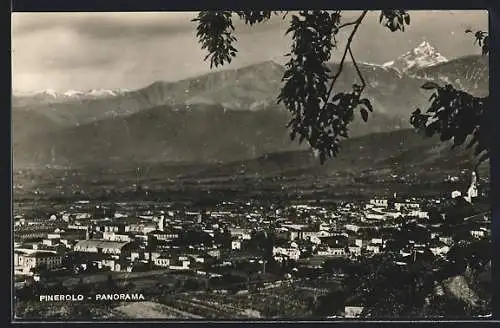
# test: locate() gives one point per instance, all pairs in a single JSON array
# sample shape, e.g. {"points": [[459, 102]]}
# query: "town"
{"points": [[234, 260]]}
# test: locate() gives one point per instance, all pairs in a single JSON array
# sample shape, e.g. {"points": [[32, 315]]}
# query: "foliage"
{"points": [[319, 115], [454, 115]]}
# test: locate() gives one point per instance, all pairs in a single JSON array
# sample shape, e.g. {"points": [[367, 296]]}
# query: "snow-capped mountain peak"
{"points": [[423, 55], [71, 94], [48, 92]]}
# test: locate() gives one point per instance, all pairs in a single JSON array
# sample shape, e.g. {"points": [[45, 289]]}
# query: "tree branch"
{"points": [[356, 24], [363, 83]]}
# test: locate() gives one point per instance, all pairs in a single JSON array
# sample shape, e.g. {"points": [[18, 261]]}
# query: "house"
{"points": [[143, 228], [374, 216], [115, 264], [24, 263], [352, 227], [241, 233], [313, 234], [406, 206], [446, 239], [434, 235], [143, 255], [290, 252], [179, 264], [162, 261], [165, 234], [115, 236], [379, 202], [355, 250], [103, 247], [478, 233], [373, 248], [353, 311], [23, 234], [51, 242], [215, 253], [419, 214], [70, 234], [440, 250], [324, 250], [236, 245]]}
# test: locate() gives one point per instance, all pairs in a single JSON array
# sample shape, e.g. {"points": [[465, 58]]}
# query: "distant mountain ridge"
{"points": [[220, 116], [50, 96]]}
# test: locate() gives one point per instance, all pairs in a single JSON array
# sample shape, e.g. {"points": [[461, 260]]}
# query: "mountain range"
{"points": [[223, 116]]}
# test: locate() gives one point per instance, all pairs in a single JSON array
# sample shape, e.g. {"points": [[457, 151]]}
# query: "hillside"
{"points": [[470, 73], [162, 134], [398, 161]]}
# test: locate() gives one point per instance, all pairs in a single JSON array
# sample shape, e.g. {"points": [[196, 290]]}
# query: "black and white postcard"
{"points": [[251, 165]]}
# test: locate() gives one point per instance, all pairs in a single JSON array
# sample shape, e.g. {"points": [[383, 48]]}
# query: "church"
{"points": [[472, 191]]}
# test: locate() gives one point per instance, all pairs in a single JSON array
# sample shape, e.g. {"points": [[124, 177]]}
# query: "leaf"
{"points": [[367, 103], [485, 47], [364, 114], [430, 85], [479, 148], [338, 96], [483, 157], [459, 139], [322, 158], [407, 19], [468, 30]]}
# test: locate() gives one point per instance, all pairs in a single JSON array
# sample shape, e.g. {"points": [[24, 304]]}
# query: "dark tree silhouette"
{"points": [[319, 115]]}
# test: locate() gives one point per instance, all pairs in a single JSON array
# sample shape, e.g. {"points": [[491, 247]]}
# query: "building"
{"points": [[165, 234], [440, 249], [241, 233], [406, 206], [291, 252], [24, 263], [478, 233], [373, 248], [324, 250], [24, 234], [379, 202], [236, 245], [372, 215], [162, 261], [419, 214], [70, 234], [472, 192], [355, 250], [446, 240], [103, 247], [352, 227], [353, 311], [115, 236]]}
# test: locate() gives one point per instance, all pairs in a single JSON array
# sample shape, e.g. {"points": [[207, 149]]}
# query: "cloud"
{"points": [[105, 25], [112, 50]]}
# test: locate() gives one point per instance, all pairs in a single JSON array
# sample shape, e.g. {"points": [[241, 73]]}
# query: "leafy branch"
{"points": [[356, 24], [320, 116], [481, 38], [456, 115]]}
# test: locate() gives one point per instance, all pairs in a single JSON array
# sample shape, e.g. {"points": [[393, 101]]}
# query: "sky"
{"points": [[83, 51]]}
